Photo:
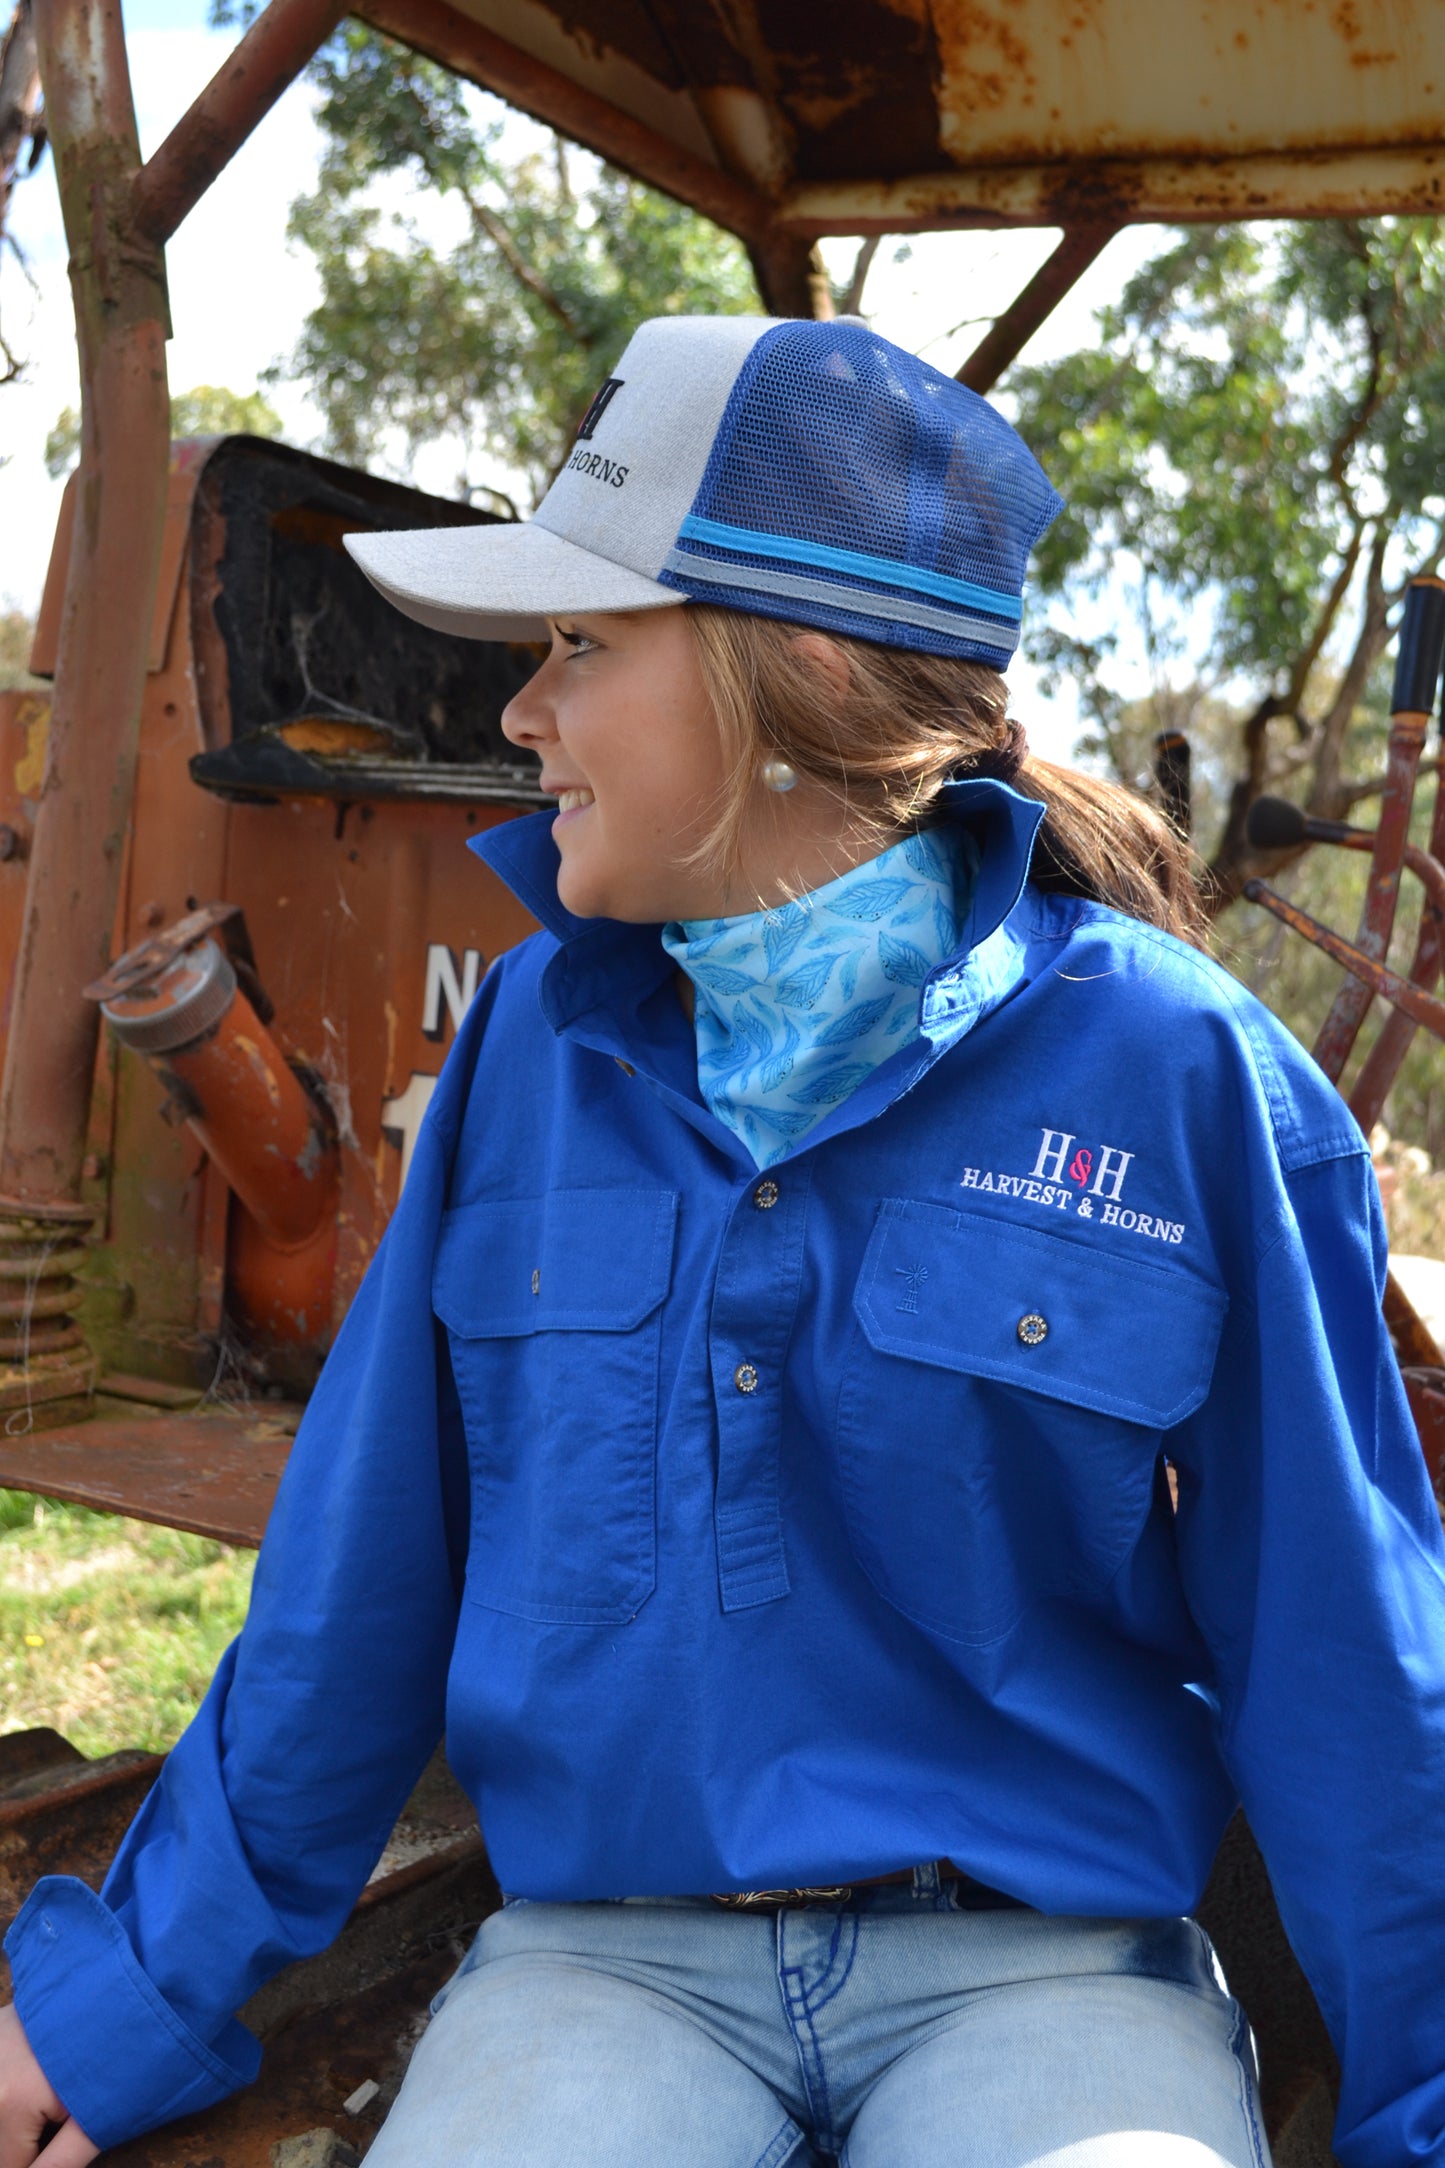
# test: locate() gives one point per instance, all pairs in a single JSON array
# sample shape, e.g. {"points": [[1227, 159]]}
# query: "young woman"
{"points": [[753, 1438]]}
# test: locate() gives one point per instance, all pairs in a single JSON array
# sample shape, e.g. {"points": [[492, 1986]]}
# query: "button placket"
{"points": [[759, 1279]]}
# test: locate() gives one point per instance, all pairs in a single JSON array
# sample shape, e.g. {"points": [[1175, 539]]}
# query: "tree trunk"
{"points": [[19, 99]]}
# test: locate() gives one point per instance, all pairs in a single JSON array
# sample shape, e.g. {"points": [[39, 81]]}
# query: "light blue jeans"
{"points": [[922, 2026]]}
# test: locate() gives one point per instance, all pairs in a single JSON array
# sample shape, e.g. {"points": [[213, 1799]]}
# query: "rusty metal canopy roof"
{"points": [[905, 115]]}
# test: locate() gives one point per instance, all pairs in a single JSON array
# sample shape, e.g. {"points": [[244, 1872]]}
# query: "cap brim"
{"points": [[499, 582]]}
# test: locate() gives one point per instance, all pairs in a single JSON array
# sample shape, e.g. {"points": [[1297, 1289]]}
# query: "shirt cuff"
{"points": [[108, 2041]]}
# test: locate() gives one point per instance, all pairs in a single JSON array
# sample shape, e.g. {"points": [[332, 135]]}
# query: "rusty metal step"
{"points": [[214, 1473]]}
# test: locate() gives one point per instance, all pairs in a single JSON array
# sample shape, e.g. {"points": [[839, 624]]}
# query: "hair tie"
{"points": [[1003, 761]]}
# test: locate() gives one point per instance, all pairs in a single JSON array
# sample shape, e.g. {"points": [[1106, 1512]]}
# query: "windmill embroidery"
{"points": [[913, 1277]]}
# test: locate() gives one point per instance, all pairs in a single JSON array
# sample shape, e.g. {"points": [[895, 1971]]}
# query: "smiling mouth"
{"points": [[572, 801]]}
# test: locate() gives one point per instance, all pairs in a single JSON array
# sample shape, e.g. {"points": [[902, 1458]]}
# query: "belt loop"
{"points": [[926, 1881]]}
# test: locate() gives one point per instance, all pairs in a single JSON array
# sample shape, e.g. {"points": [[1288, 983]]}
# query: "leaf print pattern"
{"points": [[834, 1084], [871, 900], [921, 852], [903, 961], [779, 1065], [801, 989], [853, 1023], [719, 979], [797, 1006], [782, 931]]}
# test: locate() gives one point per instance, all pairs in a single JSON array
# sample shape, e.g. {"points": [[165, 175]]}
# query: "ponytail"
{"points": [[906, 724]]}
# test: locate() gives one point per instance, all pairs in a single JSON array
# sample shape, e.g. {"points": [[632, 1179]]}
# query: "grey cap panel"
{"points": [[627, 489], [498, 583]]}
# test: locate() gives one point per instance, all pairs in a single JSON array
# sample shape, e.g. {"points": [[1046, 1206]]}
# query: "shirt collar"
{"points": [[602, 959], [609, 985]]}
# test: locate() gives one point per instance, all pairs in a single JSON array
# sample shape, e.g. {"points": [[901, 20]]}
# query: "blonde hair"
{"points": [[905, 724]]}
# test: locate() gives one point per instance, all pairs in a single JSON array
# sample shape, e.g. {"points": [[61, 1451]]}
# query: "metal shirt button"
{"points": [[745, 1378], [1033, 1329], [537, 1281], [765, 1196]]}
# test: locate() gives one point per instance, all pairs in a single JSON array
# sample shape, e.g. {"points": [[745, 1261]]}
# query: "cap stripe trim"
{"points": [[715, 572], [886, 570]]}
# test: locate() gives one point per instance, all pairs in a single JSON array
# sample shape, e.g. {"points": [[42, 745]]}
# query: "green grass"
{"points": [[110, 1629]]}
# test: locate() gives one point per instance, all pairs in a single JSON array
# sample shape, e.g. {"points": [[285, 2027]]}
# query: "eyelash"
{"points": [[581, 643]]}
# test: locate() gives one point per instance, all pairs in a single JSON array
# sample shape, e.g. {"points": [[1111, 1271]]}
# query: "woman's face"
{"points": [[621, 720]]}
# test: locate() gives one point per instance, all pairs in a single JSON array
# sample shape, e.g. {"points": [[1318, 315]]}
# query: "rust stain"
{"points": [[34, 720]]}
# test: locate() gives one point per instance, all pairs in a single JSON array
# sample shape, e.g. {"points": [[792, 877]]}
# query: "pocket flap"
{"points": [[580, 1260], [1119, 1335]]}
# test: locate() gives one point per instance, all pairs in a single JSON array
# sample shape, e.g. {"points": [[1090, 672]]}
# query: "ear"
{"points": [[827, 658]]}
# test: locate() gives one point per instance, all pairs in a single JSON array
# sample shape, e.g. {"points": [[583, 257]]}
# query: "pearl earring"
{"points": [[778, 774]]}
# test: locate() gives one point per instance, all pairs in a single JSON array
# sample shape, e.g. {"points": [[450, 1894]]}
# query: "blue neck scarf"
{"points": [[796, 1006]]}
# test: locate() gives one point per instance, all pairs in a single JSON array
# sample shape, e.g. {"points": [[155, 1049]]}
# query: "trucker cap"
{"points": [[807, 471]]}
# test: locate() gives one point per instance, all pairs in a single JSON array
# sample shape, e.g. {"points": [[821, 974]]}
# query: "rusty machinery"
{"points": [[1276, 825], [235, 828]]}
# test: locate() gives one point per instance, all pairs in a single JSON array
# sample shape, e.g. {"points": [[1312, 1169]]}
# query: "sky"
{"points": [[239, 293]]}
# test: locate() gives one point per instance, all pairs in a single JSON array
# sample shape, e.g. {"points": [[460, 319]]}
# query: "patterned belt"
{"points": [[764, 1900]]}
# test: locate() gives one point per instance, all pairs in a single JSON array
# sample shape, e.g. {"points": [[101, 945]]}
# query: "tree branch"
{"points": [[1324, 624], [487, 222], [498, 233], [1325, 797], [1351, 793], [19, 98], [852, 300]]}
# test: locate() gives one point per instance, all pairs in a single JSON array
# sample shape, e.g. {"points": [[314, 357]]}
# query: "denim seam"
{"points": [[788, 2137], [1246, 2091], [810, 2054], [823, 2108], [822, 2001]]}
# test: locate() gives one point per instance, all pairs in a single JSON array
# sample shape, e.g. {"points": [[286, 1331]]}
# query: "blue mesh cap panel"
{"points": [[912, 504]]}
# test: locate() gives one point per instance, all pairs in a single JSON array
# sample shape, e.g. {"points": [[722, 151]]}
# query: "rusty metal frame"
{"points": [[268, 59], [119, 213], [1011, 332], [122, 322], [458, 43]]}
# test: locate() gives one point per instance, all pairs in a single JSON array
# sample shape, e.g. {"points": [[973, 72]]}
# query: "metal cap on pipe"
{"points": [[1422, 648], [180, 1005]]}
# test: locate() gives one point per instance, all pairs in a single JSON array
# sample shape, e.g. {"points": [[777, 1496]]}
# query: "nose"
{"points": [[528, 717]]}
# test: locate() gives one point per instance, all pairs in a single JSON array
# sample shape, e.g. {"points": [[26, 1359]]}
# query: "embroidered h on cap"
{"points": [[807, 471]]}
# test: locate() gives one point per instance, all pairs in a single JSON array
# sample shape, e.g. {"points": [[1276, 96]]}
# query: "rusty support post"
{"points": [[118, 285], [1417, 677], [242, 92], [791, 276], [1045, 290], [1382, 1064]]}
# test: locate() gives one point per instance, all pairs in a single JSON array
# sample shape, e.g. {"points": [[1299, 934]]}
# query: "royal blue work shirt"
{"points": [[758, 1531]]}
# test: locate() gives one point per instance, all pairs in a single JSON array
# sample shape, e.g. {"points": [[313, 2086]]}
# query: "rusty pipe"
{"points": [[268, 59], [1417, 678], [1276, 824], [118, 284], [1377, 979], [230, 1081]]}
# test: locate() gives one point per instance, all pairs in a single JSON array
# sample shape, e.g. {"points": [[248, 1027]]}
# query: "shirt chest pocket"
{"points": [[553, 1313], [1002, 1410]]}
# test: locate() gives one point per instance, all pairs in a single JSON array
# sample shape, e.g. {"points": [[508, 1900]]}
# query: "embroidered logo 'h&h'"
{"points": [[1108, 1173]]}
